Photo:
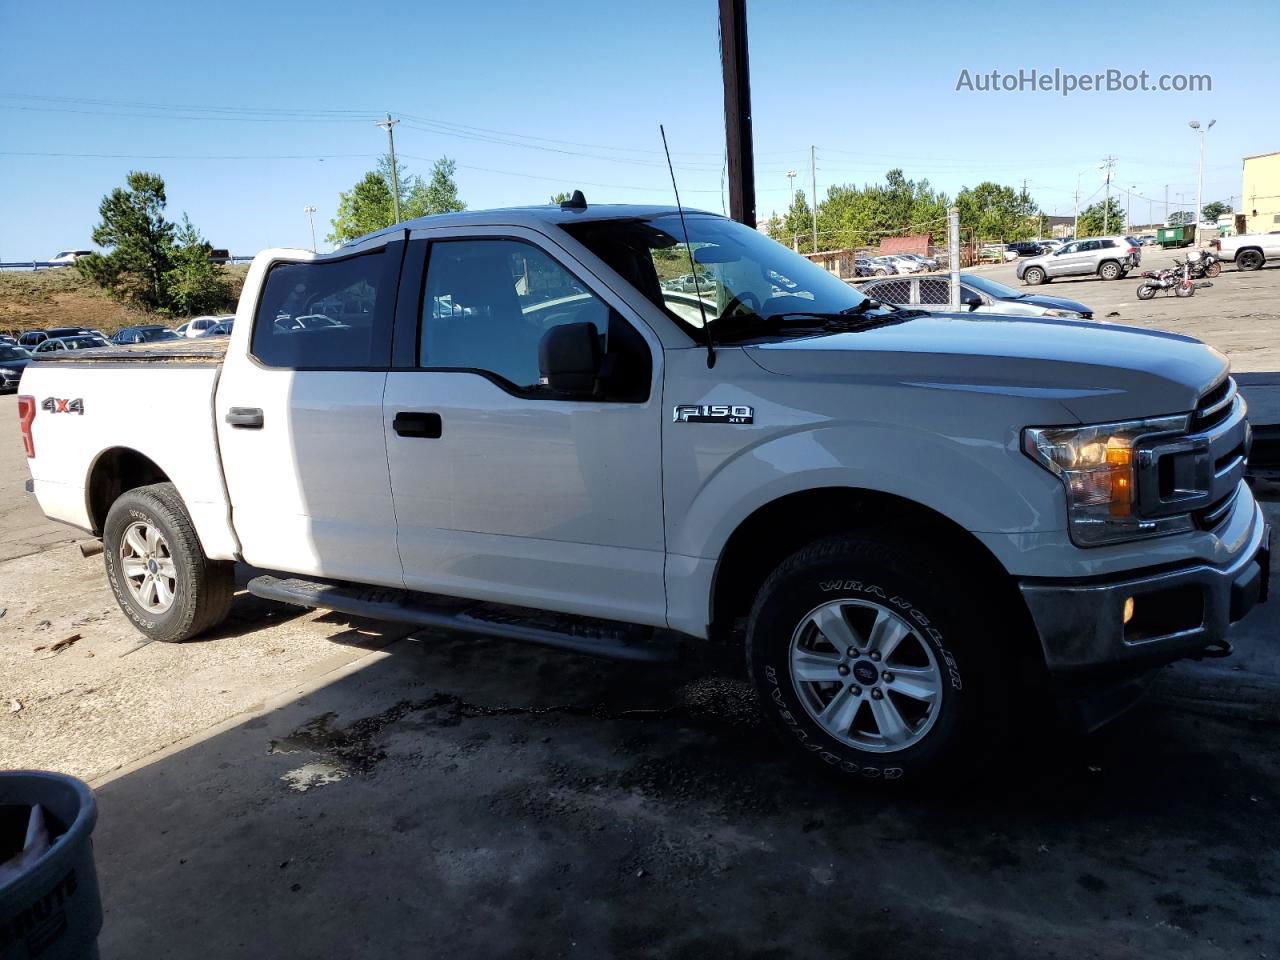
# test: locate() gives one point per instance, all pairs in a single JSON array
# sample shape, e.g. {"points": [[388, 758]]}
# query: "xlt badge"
{"points": [[712, 413]]}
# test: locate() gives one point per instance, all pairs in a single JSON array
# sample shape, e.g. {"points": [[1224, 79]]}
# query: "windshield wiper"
{"points": [[850, 320]]}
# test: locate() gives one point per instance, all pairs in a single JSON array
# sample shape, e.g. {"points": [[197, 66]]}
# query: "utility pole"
{"points": [[1075, 229], [737, 111], [310, 211], [395, 174], [1195, 125], [1107, 164], [795, 238], [813, 201]]}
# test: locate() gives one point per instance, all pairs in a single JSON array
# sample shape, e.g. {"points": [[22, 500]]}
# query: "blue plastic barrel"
{"points": [[52, 911]]}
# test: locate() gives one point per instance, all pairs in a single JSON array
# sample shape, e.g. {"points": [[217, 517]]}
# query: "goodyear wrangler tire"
{"points": [[872, 661], [157, 569]]}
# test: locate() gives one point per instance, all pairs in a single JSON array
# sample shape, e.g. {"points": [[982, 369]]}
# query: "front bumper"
{"points": [[1178, 613]]}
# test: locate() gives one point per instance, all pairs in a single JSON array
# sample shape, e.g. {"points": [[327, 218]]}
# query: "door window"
{"points": [[935, 290], [487, 304], [327, 314]]}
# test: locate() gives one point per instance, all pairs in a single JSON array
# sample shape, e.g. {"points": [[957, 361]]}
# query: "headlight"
{"points": [[1064, 314], [1096, 466]]}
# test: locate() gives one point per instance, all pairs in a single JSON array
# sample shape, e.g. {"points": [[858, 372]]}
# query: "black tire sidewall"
{"points": [[1151, 291], [1106, 268], [145, 506], [1034, 276], [796, 590], [1249, 260]]}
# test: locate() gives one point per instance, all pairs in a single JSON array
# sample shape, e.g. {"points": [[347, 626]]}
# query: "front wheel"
{"points": [[1033, 276], [1146, 291], [1249, 260], [872, 661], [1185, 289], [157, 569]]}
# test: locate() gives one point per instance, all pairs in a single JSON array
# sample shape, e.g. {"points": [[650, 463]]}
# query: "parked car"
{"points": [[915, 525], [978, 294], [904, 264], [1027, 248], [33, 338], [150, 333], [996, 253], [196, 326], [1249, 250], [1109, 258], [13, 360], [87, 341], [928, 263], [220, 329], [67, 258]]}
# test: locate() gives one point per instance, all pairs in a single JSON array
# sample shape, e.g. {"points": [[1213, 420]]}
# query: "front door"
{"points": [[503, 489], [299, 417]]}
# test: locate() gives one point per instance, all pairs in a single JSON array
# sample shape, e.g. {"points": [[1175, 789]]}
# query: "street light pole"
{"points": [[310, 211], [795, 234], [1195, 125]]}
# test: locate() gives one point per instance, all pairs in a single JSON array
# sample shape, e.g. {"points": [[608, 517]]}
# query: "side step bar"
{"points": [[601, 638]]}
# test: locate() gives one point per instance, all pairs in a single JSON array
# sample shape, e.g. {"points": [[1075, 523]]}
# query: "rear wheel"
{"points": [[157, 569], [1146, 291], [1249, 259], [872, 661], [1110, 271], [1213, 269], [1034, 276]]}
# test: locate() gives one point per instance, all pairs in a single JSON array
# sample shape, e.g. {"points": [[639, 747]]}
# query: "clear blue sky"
{"points": [[295, 88]]}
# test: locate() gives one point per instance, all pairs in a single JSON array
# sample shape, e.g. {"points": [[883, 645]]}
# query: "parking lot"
{"points": [[303, 784]]}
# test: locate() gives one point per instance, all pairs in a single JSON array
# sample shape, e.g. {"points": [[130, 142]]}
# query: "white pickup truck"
{"points": [[1249, 250], [915, 524]]}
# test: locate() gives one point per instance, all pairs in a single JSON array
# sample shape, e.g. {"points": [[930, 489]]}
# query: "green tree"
{"points": [[1093, 223], [1180, 217], [141, 241], [364, 208], [440, 193], [194, 284], [561, 197], [991, 211], [1212, 211]]}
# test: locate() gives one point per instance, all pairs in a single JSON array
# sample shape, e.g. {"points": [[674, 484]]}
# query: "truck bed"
{"points": [[198, 350]]}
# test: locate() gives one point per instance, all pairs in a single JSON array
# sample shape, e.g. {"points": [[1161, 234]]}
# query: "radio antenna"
{"points": [[693, 268]]}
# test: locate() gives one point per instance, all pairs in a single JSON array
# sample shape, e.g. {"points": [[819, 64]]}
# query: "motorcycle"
{"points": [[1203, 264], [1176, 279]]}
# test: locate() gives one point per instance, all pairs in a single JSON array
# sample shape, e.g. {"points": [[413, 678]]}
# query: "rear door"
{"points": [[1064, 261], [299, 417], [503, 490]]}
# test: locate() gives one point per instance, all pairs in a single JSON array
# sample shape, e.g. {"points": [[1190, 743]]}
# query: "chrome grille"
{"points": [[1214, 406]]}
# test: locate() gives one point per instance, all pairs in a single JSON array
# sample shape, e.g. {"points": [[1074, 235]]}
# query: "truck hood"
{"points": [[1097, 372]]}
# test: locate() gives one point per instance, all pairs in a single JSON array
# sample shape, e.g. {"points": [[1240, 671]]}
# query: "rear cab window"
{"points": [[328, 314]]}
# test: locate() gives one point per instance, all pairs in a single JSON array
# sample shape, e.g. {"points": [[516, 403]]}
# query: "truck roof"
{"points": [[535, 216]]}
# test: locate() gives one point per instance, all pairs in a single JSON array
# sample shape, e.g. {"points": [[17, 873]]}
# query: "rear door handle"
{"points": [[247, 418], [428, 426]]}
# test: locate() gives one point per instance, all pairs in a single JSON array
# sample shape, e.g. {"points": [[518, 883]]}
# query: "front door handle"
{"points": [[247, 418], [428, 426]]}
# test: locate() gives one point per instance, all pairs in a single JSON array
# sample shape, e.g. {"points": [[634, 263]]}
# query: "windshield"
{"points": [[990, 287], [738, 275], [12, 353]]}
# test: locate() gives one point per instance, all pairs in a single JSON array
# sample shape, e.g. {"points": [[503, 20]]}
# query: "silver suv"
{"points": [[1107, 257]]}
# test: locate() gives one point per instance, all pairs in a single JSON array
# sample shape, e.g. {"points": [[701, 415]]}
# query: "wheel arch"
{"points": [[778, 528], [1252, 248], [114, 471]]}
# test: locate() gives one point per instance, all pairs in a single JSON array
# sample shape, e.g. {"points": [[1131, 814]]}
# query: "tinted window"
{"points": [[1109, 244], [935, 290], [487, 304], [1086, 245], [12, 353], [327, 314]]}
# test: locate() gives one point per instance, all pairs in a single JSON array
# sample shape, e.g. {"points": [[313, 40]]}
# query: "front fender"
{"points": [[982, 485]]}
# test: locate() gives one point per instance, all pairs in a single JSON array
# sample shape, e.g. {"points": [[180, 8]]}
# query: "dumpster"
{"points": [[1171, 237], [49, 904]]}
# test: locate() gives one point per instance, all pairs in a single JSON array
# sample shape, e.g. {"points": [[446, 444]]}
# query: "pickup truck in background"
{"points": [[1249, 250], [916, 526]]}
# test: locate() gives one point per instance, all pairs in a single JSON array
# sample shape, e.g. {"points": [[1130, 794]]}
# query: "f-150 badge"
{"points": [[712, 413]]}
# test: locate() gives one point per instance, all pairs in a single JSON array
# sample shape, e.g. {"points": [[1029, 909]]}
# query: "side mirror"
{"points": [[569, 358], [971, 300]]}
